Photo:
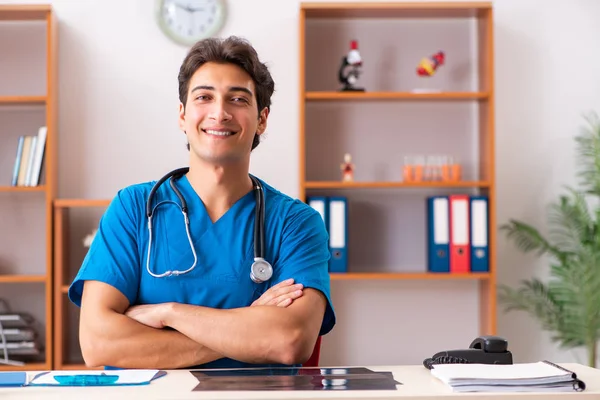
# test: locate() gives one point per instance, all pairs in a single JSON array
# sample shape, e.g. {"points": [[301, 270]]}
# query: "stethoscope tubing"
{"points": [[260, 271]]}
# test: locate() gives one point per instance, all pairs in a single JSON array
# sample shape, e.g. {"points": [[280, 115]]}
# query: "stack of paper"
{"points": [[542, 376]]}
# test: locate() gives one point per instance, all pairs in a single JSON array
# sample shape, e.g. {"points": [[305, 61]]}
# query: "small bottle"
{"points": [[445, 169], [455, 171], [407, 170], [418, 169]]}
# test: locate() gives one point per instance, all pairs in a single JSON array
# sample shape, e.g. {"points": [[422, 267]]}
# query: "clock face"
{"points": [[187, 21]]}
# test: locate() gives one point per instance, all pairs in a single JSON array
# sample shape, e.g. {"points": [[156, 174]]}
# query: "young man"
{"points": [[210, 314]]}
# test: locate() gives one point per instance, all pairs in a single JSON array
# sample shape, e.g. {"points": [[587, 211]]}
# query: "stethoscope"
{"points": [[260, 271]]}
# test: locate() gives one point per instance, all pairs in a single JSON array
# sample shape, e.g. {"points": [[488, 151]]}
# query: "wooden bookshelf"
{"points": [[13, 100], [26, 367], [65, 212], [79, 203], [406, 276], [16, 189], [395, 10], [40, 27], [14, 278], [337, 96], [332, 122], [25, 12], [381, 185]]}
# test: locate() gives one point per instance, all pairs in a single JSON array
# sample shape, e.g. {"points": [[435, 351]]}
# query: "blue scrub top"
{"points": [[296, 245]]}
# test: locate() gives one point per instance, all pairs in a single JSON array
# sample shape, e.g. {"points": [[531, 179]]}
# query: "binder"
{"points": [[338, 234], [438, 234], [479, 234], [319, 203], [459, 233]]}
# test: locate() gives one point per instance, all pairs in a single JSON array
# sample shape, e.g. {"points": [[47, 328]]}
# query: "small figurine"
{"points": [[350, 69], [428, 66], [347, 169]]}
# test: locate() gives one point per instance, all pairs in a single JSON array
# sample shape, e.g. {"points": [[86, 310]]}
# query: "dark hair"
{"points": [[232, 50]]}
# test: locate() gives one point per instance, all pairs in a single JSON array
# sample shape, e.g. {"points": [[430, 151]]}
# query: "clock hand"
{"points": [[184, 7]]}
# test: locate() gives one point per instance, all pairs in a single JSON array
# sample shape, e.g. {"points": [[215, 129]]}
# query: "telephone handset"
{"points": [[483, 350]]}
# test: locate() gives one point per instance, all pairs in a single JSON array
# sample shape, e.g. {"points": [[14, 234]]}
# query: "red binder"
{"points": [[460, 256]]}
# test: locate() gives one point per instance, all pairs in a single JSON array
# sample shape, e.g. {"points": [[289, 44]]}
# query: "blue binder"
{"points": [[479, 216], [320, 204], [338, 234], [438, 234]]}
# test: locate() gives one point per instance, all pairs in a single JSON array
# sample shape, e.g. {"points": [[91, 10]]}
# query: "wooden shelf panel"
{"points": [[16, 278], [12, 100], [24, 12], [64, 289], [407, 276], [40, 188], [74, 203], [378, 185], [26, 367], [396, 10], [335, 96]]}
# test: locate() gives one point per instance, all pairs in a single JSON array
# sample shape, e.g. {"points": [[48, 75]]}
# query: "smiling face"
{"points": [[220, 116]]}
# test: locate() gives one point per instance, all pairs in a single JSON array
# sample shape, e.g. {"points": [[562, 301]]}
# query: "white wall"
{"points": [[117, 126], [541, 95]]}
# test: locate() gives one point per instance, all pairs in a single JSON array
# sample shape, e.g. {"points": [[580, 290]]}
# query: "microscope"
{"points": [[350, 69]]}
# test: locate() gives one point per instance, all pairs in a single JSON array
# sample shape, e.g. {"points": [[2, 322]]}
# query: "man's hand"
{"points": [[151, 315], [280, 295]]}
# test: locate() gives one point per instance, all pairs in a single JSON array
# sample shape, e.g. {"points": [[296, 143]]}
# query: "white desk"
{"points": [[417, 383]]}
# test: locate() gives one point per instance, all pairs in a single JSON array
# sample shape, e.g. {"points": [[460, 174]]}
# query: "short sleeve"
{"points": [[113, 257], [304, 256]]}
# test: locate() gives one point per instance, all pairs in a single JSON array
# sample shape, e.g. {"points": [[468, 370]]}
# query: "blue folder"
{"points": [[338, 234], [321, 205], [479, 217], [438, 234]]}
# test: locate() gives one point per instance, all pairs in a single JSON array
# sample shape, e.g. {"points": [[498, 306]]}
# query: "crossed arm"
{"points": [[280, 327]]}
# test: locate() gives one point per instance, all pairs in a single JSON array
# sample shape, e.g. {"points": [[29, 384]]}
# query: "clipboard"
{"points": [[126, 377]]}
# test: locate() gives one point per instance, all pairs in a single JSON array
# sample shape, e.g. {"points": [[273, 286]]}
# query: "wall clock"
{"points": [[187, 21]]}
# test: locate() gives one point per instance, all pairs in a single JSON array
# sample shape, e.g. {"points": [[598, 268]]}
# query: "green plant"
{"points": [[568, 305]]}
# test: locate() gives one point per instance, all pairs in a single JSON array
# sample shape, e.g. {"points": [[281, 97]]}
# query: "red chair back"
{"points": [[313, 361]]}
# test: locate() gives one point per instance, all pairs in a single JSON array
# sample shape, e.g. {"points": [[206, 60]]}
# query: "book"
{"points": [[17, 167], [24, 160], [543, 376], [38, 157]]}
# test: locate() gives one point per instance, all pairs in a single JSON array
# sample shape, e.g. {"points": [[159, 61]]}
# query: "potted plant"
{"points": [[568, 304]]}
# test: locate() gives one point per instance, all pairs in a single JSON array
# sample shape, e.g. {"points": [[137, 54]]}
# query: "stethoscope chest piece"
{"points": [[261, 271]]}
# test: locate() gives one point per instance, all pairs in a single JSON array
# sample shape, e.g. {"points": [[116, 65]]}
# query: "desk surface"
{"points": [[417, 383]]}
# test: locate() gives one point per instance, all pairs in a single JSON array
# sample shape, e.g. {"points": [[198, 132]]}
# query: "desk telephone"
{"points": [[483, 350]]}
